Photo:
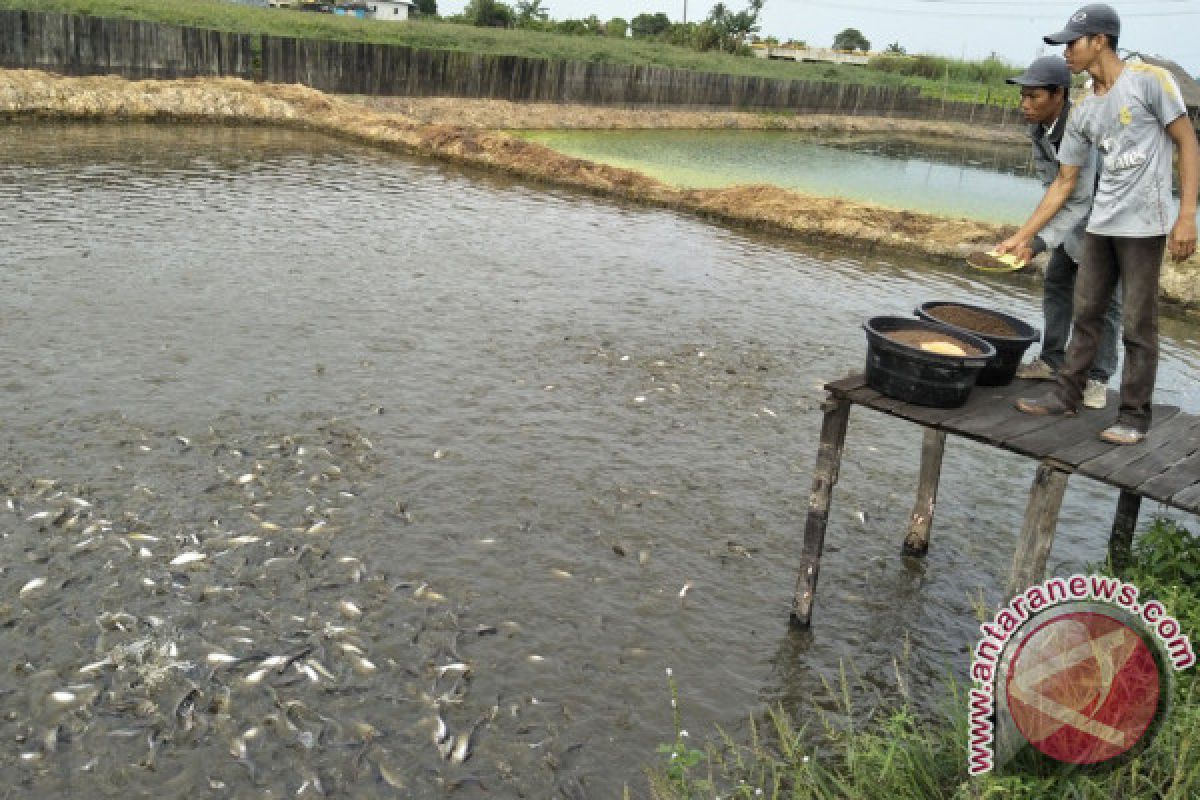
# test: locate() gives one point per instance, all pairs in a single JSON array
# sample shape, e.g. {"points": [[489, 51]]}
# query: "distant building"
{"points": [[393, 10], [1187, 84], [785, 53], [360, 10], [387, 10]]}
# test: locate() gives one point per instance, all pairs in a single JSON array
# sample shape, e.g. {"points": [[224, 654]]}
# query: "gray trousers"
{"points": [[1058, 307], [1136, 264]]}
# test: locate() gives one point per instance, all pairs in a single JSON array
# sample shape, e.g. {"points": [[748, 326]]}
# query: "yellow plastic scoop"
{"points": [[991, 261], [943, 348]]}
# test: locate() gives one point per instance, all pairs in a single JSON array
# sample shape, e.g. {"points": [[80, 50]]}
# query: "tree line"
{"points": [[722, 29]]}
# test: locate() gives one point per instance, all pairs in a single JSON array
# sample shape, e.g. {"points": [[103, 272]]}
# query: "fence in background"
{"points": [[83, 45]]}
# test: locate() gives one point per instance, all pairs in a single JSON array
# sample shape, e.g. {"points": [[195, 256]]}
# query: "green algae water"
{"points": [[977, 180]]}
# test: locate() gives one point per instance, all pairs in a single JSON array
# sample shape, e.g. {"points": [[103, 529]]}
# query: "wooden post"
{"points": [[1120, 542], [916, 543], [825, 475], [1037, 531]]}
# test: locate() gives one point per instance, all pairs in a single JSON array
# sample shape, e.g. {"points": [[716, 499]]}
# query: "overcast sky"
{"points": [[970, 28]]}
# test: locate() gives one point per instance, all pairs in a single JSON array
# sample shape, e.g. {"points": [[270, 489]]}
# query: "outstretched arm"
{"points": [[1182, 241], [1052, 202]]}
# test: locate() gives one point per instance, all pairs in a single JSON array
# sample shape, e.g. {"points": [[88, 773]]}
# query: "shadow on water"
{"points": [[310, 451]]}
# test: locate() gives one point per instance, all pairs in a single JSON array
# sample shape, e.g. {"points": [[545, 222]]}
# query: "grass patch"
{"points": [[437, 35], [896, 754]]}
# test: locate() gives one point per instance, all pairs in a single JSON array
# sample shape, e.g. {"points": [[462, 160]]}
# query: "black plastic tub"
{"points": [[917, 376], [1009, 349]]}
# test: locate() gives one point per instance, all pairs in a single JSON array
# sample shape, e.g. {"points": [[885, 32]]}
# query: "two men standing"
{"points": [[1132, 115]]}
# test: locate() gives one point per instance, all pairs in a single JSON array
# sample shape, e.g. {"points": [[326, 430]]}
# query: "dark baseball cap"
{"points": [[1045, 71], [1091, 19]]}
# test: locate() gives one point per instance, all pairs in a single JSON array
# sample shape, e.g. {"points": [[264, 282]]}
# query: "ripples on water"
{"points": [[419, 417]]}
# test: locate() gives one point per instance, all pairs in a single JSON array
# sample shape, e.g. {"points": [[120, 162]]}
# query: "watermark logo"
{"points": [[1075, 668], [1083, 687]]}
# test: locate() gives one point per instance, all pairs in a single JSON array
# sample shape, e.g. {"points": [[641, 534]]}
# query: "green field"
{"points": [[433, 34]]}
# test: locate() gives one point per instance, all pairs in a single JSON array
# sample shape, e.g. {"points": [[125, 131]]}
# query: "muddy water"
{"points": [[978, 180], [296, 433]]}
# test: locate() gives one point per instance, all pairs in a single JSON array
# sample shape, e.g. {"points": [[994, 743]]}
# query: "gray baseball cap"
{"points": [[1091, 19], [1045, 71]]}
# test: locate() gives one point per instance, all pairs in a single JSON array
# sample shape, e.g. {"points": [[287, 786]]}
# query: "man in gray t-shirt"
{"points": [[1132, 115], [1046, 104]]}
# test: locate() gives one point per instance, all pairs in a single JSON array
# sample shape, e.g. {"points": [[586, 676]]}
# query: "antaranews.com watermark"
{"points": [[1078, 668]]}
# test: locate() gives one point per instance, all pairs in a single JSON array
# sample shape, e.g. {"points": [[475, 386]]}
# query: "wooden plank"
{"points": [[916, 543], [981, 400], [1165, 445], [1037, 531], [926, 415], [1188, 499], [847, 384], [1182, 475], [1120, 541], [865, 396], [899, 408], [888, 405], [878, 402], [1002, 423], [1061, 434], [983, 423], [825, 475], [1085, 450], [987, 396]]}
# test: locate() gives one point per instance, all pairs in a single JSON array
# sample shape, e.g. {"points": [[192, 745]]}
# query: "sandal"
{"points": [[1122, 434]]}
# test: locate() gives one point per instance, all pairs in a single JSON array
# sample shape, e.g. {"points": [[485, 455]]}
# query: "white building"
{"points": [[392, 10]]}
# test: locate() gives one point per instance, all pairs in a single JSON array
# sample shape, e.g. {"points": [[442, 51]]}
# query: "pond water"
{"points": [[977, 180], [296, 432], [938, 175]]}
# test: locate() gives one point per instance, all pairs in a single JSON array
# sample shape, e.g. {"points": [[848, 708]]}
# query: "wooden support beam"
{"points": [[916, 543], [1120, 541], [1037, 531], [829, 460]]}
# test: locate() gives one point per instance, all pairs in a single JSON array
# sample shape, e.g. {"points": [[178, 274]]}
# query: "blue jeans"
{"points": [[1058, 308]]}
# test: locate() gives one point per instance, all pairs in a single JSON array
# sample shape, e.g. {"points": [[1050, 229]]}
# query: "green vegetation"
{"points": [[987, 75], [991, 71], [900, 755], [642, 49], [723, 29], [851, 39]]}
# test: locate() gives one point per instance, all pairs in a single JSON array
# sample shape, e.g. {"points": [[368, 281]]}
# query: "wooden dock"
{"points": [[1165, 468]]}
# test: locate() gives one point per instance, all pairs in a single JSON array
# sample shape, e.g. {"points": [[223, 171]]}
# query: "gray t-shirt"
{"points": [[1128, 126]]}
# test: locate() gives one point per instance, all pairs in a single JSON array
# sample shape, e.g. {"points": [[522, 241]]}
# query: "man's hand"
{"points": [[1024, 254], [1182, 241], [1017, 245]]}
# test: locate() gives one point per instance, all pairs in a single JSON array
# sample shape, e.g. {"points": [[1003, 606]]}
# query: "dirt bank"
{"points": [[460, 131], [503, 115]]}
